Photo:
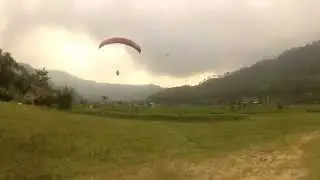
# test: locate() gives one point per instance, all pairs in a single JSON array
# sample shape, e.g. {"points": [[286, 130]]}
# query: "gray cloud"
{"points": [[182, 37]]}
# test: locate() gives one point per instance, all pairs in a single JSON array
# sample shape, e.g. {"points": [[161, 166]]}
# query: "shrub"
{"points": [[5, 95]]}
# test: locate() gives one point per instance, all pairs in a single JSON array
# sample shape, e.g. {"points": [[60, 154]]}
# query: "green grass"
{"points": [[175, 117], [37, 141], [178, 113], [312, 159]]}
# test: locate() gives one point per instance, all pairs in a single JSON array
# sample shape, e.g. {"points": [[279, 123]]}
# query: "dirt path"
{"points": [[251, 165], [245, 165]]}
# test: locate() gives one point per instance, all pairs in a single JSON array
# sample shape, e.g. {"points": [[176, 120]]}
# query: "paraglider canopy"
{"points": [[120, 40]]}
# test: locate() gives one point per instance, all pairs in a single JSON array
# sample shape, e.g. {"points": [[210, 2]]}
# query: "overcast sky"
{"points": [[182, 41]]}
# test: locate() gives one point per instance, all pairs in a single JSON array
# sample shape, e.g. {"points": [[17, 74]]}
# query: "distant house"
{"points": [[151, 104], [34, 93], [249, 100]]}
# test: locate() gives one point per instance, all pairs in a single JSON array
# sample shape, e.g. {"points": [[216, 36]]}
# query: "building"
{"points": [[34, 93], [249, 100]]}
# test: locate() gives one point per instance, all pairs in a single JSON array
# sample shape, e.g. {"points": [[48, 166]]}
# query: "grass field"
{"points": [[40, 143]]}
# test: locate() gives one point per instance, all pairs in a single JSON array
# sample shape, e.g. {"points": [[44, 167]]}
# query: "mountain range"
{"points": [[93, 91]]}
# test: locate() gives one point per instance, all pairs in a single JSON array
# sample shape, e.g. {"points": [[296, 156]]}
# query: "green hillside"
{"points": [[292, 77]]}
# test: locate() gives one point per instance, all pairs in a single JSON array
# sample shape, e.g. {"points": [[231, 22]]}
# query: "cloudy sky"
{"points": [[183, 41]]}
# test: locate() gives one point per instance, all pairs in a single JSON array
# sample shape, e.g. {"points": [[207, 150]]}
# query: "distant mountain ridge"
{"points": [[292, 77], [93, 91]]}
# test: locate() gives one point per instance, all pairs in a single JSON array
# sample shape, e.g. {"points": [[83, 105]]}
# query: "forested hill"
{"points": [[292, 77]]}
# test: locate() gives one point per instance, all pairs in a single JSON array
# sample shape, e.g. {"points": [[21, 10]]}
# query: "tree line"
{"points": [[16, 80]]}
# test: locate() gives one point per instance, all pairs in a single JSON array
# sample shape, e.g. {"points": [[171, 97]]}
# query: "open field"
{"points": [[44, 143]]}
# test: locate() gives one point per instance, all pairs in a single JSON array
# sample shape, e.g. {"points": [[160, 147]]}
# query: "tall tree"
{"points": [[40, 78], [65, 97]]}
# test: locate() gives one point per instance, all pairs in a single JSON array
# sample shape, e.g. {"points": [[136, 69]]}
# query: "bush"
{"points": [[45, 101], [5, 95]]}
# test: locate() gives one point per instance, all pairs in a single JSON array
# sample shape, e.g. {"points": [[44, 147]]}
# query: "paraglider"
{"points": [[121, 40]]}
